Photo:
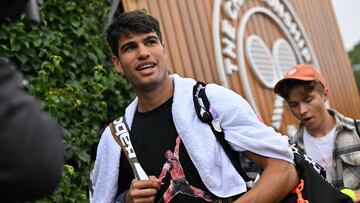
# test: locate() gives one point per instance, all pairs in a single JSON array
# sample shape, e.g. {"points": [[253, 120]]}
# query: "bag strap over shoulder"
{"points": [[357, 126], [203, 111]]}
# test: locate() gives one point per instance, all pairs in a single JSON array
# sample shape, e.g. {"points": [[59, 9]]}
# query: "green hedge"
{"points": [[354, 56], [66, 63]]}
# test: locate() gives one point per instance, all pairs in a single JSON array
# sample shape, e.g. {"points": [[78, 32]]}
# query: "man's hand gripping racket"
{"points": [[120, 132]]}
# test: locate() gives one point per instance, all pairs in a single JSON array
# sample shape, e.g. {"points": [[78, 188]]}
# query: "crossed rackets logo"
{"points": [[270, 66], [238, 50]]}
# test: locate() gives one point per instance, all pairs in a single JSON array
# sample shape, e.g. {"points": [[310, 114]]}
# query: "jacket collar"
{"points": [[341, 122]]}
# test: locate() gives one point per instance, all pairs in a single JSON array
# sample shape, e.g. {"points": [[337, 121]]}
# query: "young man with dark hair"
{"points": [[182, 155], [327, 136]]}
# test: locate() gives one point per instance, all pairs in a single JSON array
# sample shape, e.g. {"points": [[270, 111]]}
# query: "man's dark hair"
{"points": [[131, 23], [307, 86]]}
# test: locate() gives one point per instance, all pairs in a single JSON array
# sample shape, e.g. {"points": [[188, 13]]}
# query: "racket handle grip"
{"points": [[139, 172]]}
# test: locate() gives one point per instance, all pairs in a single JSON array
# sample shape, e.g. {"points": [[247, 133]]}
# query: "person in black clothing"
{"points": [[162, 118], [31, 147]]}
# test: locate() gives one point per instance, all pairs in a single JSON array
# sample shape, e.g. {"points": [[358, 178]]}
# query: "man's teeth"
{"points": [[146, 66]]}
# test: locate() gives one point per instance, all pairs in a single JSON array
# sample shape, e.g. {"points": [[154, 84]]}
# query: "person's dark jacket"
{"points": [[31, 147]]}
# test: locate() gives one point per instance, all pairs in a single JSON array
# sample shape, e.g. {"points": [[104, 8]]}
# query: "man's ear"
{"points": [[326, 93], [116, 61]]}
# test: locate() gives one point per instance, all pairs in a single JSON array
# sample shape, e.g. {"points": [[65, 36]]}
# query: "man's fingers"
{"points": [[153, 178], [144, 200], [142, 193], [144, 184], [143, 190]]}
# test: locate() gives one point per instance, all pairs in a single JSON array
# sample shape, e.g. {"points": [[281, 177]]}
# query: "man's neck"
{"points": [[149, 100], [326, 126]]}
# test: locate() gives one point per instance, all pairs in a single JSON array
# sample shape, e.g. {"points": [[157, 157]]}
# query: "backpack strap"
{"points": [[357, 124], [205, 114]]}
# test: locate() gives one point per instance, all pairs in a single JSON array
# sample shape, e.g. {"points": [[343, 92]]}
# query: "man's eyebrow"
{"points": [[127, 44], [151, 37]]}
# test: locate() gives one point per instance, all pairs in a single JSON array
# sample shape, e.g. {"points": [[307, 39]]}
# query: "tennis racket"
{"points": [[120, 132]]}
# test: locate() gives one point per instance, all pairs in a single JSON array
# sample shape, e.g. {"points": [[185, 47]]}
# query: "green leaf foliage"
{"points": [[66, 64], [354, 56]]}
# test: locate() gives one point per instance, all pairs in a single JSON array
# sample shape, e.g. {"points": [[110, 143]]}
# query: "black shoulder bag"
{"points": [[312, 187]]}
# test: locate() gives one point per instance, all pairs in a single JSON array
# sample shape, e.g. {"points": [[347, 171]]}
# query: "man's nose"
{"points": [[303, 108], [143, 52]]}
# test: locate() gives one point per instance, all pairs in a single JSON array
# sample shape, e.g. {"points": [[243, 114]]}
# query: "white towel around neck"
{"points": [[242, 130]]}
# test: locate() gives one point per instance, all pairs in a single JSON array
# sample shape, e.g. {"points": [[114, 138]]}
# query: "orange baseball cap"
{"points": [[305, 72]]}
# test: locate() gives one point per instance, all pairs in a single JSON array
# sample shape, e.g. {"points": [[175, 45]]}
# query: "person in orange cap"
{"points": [[325, 135]]}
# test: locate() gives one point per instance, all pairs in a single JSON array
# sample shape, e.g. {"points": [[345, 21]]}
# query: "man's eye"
{"points": [[128, 48], [308, 100], [151, 42], [292, 105]]}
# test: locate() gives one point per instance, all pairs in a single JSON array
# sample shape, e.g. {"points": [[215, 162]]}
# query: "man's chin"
{"points": [[149, 85], [152, 82]]}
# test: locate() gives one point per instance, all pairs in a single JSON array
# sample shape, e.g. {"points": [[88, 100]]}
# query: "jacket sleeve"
{"points": [[31, 147]]}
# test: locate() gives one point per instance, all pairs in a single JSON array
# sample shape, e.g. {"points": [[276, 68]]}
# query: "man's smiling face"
{"points": [[142, 59]]}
